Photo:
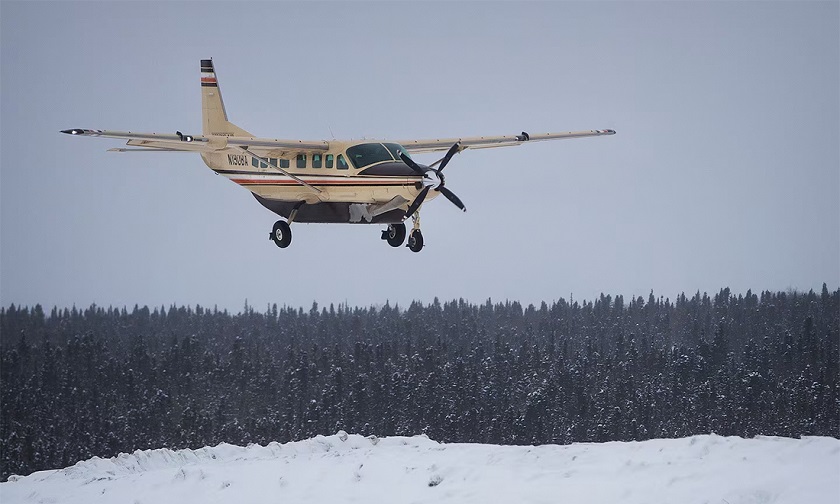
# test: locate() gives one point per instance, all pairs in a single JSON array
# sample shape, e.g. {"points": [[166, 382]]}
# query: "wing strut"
{"points": [[284, 172]]}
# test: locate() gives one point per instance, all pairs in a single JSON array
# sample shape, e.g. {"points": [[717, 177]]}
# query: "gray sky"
{"points": [[725, 170]]}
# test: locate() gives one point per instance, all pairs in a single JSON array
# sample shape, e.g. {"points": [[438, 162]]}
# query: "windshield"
{"points": [[366, 154], [395, 150]]}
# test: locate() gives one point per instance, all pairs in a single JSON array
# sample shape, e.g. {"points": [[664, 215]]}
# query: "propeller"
{"points": [[432, 179]]}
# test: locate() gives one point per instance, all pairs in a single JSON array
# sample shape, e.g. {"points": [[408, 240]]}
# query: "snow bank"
{"points": [[350, 468]]}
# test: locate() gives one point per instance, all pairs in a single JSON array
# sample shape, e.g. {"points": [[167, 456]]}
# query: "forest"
{"points": [[77, 383]]}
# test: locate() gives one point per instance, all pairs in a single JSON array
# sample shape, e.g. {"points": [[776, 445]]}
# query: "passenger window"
{"points": [[263, 165], [284, 163], [316, 160], [342, 164], [254, 162], [301, 160], [330, 159], [272, 162]]}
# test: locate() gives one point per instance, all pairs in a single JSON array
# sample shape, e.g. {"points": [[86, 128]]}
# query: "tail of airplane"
{"points": [[214, 119]]}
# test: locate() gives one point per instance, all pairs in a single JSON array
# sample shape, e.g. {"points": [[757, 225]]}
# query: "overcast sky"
{"points": [[725, 171]]}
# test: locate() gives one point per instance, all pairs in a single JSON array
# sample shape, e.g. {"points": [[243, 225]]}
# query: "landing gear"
{"points": [[415, 241], [395, 234], [281, 234]]}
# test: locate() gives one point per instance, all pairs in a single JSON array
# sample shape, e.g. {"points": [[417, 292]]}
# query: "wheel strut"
{"points": [[415, 239]]}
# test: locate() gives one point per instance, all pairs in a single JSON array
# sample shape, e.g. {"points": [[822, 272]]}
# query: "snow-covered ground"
{"points": [[345, 469]]}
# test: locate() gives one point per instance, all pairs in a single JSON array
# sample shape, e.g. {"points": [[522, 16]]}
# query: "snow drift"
{"points": [[342, 468]]}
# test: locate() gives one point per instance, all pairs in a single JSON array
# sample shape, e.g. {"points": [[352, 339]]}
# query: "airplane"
{"points": [[335, 181]]}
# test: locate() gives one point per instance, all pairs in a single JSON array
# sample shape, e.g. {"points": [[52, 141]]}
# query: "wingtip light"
{"points": [[79, 131]]}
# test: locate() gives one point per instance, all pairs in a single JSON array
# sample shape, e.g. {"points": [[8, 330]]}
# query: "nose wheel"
{"points": [[415, 241]]}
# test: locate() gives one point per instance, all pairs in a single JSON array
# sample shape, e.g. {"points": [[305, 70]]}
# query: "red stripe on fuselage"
{"points": [[320, 183]]}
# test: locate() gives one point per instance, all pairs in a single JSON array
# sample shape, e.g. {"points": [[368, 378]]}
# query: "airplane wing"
{"points": [[199, 143], [486, 142], [196, 143]]}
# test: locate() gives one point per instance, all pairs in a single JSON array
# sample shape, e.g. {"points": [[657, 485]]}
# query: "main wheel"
{"points": [[415, 241], [395, 234], [281, 234]]}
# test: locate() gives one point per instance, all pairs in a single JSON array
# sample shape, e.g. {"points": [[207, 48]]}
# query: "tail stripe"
{"points": [[208, 75], [214, 118]]}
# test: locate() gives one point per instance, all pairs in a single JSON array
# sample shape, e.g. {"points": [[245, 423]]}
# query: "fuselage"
{"points": [[353, 181]]}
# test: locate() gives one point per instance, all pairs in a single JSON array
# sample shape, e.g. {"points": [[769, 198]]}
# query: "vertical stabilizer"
{"points": [[214, 118]]}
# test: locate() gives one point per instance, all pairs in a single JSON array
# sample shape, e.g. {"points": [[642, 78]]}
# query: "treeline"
{"points": [[79, 383]]}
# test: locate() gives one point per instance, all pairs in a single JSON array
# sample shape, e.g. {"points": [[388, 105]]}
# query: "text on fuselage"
{"points": [[237, 159]]}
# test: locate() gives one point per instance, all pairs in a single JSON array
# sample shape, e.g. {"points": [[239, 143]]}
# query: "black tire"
{"points": [[415, 241], [281, 234], [395, 234]]}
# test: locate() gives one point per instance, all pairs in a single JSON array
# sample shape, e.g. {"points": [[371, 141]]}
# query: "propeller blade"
{"points": [[451, 197], [410, 162], [451, 152], [417, 202]]}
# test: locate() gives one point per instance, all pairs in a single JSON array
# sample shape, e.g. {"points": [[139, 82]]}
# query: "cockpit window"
{"points": [[395, 150], [366, 154]]}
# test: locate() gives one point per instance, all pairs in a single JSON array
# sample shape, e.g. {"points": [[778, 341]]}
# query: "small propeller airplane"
{"points": [[359, 182]]}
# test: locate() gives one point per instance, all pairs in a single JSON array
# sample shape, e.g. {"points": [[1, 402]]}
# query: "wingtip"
{"points": [[80, 131]]}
